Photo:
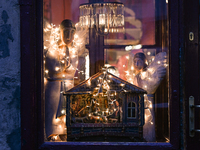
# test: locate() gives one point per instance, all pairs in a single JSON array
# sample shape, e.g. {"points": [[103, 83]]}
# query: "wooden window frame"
{"points": [[32, 95]]}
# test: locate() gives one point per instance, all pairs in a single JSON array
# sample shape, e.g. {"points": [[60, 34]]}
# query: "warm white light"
{"points": [[57, 120], [127, 72], [128, 48], [158, 62], [132, 68], [46, 71], [63, 111], [57, 68], [150, 105], [75, 36], [127, 57], [107, 65], [148, 53], [89, 82], [122, 84]]}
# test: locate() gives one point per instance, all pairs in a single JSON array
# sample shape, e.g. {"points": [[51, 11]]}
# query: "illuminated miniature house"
{"points": [[105, 107]]}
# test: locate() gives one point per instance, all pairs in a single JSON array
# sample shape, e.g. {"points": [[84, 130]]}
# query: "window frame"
{"points": [[132, 109], [32, 95]]}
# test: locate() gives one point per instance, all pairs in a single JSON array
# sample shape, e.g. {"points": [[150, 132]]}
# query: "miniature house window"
{"points": [[131, 110], [91, 77]]}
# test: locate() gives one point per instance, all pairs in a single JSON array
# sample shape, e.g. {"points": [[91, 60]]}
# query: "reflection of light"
{"points": [[137, 46], [128, 48]]}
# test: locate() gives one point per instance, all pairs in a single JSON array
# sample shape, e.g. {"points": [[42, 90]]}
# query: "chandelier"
{"points": [[105, 17]]}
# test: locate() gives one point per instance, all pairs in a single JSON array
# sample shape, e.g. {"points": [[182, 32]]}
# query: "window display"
{"points": [[117, 101]]}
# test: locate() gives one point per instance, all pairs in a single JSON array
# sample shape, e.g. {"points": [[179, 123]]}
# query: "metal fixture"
{"points": [[105, 17], [192, 107]]}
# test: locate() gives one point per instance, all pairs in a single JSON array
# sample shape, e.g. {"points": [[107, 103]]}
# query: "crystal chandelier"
{"points": [[105, 17]]}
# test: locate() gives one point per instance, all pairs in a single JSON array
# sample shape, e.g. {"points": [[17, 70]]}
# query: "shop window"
{"points": [[98, 57]]}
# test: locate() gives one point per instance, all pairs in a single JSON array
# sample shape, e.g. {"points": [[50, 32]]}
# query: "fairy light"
{"points": [[47, 71], [75, 36], [127, 72], [158, 62], [89, 82], [132, 68], [122, 84], [57, 68], [148, 53], [63, 111], [150, 105]]}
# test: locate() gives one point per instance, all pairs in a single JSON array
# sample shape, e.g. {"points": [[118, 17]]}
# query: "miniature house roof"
{"points": [[115, 83]]}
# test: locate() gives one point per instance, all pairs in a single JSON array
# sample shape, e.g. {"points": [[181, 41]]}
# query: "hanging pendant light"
{"points": [[105, 17]]}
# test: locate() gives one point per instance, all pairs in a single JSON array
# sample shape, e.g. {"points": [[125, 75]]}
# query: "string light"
{"points": [[46, 71], [57, 68]]}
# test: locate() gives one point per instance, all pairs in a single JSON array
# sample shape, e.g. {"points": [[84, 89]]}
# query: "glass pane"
{"points": [[127, 100], [129, 112], [139, 24], [129, 104], [133, 113]]}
